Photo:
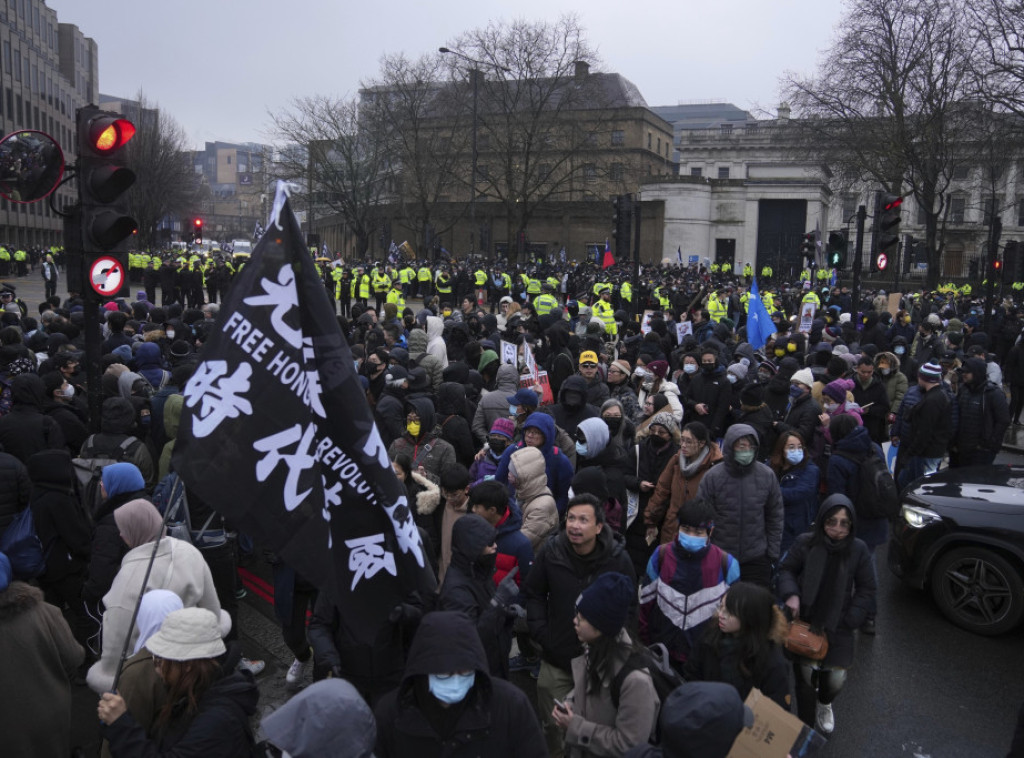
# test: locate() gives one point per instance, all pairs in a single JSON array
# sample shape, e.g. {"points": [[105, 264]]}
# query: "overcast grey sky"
{"points": [[218, 66]]}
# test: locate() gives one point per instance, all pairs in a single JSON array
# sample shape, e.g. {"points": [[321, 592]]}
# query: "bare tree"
{"points": [[538, 117], [165, 183], [997, 28], [893, 103], [428, 134], [338, 151]]}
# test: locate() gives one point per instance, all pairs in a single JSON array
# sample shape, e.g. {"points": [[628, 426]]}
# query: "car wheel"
{"points": [[979, 590]]}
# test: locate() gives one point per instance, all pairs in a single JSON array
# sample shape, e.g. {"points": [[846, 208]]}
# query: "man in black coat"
{"points": [[448, 704], [984, 417], [930, 425], [870, 394], [566, 564]]}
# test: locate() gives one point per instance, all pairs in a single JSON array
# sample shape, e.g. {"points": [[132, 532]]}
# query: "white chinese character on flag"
{"points": [[282, 296], [297, 462], [218, 395], [367, 557]]}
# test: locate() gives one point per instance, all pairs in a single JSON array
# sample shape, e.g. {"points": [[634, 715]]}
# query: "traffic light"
{"points": [[808, 249], [1012, 258], [103, 183], [622, 211], [197, 231], [888, 223], [837, 250], [997, 270]]}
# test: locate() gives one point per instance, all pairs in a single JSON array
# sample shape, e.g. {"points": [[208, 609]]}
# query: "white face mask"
{"points": [[170, 334], [69, 391]]}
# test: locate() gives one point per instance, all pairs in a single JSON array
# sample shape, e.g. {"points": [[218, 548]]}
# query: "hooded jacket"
{"points": [[494, 404], [15, 488], [557, 465], [558, 576], [605, 452], [568, 417], [495, 719], [149, 363], [713, 390], [983, 411], [117, 424], [427, 361], [748, 503], [514, 548], [25, 430], [427, 450], [853, 588], [540, 516], [451, 417], [435, 340], [895, 383], [469, 589], [328, 718]]}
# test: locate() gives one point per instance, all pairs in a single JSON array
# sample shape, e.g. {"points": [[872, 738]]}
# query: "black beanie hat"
{"points": [[605, 603]]}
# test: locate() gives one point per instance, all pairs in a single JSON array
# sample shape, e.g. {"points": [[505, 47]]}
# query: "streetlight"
{"points": [[475, 74]]}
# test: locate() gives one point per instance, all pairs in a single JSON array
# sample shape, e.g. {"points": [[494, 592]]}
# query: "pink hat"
{"points": [[658, 368], [111, 306], [837, 389], [504, 427]]}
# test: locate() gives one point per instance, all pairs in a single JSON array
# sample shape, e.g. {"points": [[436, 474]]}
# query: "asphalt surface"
{"points": [[920, 688]]}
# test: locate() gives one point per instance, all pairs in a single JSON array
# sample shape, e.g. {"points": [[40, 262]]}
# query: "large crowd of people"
{"points": [[587, 484]]}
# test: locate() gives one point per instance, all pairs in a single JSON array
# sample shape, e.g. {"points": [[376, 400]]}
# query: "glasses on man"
{"points": [[588, 365]]}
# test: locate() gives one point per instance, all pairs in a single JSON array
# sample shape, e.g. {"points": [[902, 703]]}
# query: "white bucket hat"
{"points": [[187, 635]]}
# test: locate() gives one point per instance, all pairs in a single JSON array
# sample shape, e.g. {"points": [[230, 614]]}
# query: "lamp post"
{"points": [[474, 74]]}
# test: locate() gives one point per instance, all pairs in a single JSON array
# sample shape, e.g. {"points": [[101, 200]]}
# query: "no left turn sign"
{"points": [[107, 276]]}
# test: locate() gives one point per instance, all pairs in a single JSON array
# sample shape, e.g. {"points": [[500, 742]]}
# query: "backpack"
{"points": [[89, 468], [21, 545], [878, 496], [655, 660]]}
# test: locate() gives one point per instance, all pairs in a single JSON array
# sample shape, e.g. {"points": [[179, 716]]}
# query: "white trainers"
{"points": [[252, 666], [294, 675], [826, 719]]}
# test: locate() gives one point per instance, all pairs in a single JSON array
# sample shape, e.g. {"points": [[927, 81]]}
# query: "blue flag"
{"points": [[759, 323]]}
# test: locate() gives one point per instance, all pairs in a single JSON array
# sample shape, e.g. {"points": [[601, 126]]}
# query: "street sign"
{"points": [[107, 276]]}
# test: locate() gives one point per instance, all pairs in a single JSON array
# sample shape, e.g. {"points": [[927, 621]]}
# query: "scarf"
{"points": [[823, 583], [139, 522], [689, 469]]}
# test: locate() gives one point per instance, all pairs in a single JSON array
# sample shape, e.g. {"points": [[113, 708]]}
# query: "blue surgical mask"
{"points": [[581, 449], [451, 689], [732, 378], [692, 544], [690, 368], [513, 410], [794, 456], [795, 392], [900, 350]]}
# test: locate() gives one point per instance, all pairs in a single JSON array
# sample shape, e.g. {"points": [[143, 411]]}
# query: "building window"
{"points": [[17, 67], [849, 206], [990, 208], [957, 209], [726, 129], [696, 171], [648, 140], [658, 151], [618, 138], [616, 172], [1020, 212], [589, 173], [723, 172], [962, 172], [229, 160], [922, 214]]}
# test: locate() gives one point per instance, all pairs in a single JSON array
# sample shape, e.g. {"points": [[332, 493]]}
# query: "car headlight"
{"points": [[918, 517]]}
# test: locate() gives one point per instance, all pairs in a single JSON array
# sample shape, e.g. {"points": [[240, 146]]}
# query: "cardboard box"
{"points": [[773, 734]]}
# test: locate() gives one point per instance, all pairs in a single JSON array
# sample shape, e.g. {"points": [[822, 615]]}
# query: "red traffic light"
{"points": [[107, 134], [199, 222], [997, 265], [892, 203]]}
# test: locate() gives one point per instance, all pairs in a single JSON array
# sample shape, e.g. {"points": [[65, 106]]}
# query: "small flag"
{"points": [[679, 254], [561, 254], [759, 323], [833, 279], [609, 259]]}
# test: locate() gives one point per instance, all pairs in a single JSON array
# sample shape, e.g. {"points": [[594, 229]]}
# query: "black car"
{"points": [[960, 533]]}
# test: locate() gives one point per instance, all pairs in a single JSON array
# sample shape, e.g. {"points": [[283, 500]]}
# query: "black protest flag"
{"points": [[276, 434]]}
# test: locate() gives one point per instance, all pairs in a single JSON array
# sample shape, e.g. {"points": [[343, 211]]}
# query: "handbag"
{"points": [[805, 643]]}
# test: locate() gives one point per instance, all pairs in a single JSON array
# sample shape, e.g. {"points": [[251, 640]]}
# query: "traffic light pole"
{"points": [[637, 306], [858, 256], [995, 232], [93, 356]]}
